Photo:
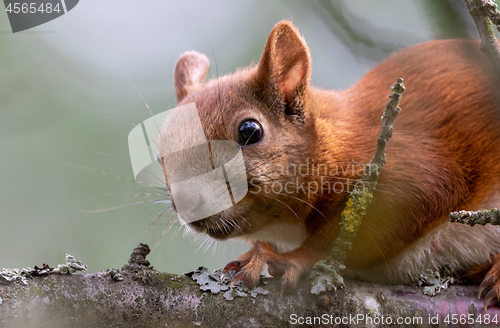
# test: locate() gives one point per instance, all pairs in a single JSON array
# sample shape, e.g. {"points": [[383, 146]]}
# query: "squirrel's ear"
{"points": [[190, 71], [285, 63]]}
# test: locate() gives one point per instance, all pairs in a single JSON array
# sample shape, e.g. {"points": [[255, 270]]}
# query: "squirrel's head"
{"points": [[264, 110]]}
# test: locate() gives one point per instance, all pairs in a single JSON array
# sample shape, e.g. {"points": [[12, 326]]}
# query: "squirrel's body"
{"points": [[444, 156]]}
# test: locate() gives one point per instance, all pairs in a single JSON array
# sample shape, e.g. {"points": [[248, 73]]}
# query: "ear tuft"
{"points": [[286, 62], [190, 71]]}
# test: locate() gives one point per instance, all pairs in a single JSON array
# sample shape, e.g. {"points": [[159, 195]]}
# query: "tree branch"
{"points": [[484, 12], [480, 217], [139, 296]]}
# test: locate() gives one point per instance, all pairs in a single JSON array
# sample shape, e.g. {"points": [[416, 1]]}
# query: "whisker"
{"points": [[109, 175], [119, 119], [112, 208], [140, 95], [307, 203], [127, 197], [285, 205]]}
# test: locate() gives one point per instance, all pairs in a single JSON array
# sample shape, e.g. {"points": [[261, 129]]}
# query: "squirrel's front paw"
{"points": [[248, 267]]}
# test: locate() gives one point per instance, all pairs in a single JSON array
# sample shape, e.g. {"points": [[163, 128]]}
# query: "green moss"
{"points": [[174, 284], [172, 281], [36, 291], [208, 309], [354, 211]]}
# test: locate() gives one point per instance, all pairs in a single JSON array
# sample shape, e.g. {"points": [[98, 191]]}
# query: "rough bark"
{"points": [[476, 217], [148, 298]]}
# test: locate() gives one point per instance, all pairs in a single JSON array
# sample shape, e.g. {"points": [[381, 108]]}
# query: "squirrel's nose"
{"points": [[192, 206]]}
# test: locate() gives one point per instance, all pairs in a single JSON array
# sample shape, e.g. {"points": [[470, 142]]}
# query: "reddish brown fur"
{"points": [[444, 154]]}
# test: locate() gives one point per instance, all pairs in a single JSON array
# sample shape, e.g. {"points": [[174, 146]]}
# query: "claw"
{"points": [[487, 282], [285, 286], [288, 283], [491, 295], [233, 265], [480, 292], [237, 277]]}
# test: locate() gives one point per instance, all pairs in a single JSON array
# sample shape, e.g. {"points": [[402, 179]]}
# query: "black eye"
{"points": [[250, 131]]}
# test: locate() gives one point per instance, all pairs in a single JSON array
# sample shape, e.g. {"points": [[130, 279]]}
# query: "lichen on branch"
{"points": [[484, 12], [480, 217]]}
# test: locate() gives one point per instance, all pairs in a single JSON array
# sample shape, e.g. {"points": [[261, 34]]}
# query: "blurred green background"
{"points": [[66, 109]]}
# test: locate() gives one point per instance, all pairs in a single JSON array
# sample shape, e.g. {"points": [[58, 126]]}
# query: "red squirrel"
{"points": [[444, 156]]}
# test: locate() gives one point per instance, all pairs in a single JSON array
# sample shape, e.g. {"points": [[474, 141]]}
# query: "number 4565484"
{"points": [[32, 8], [471, 319]]}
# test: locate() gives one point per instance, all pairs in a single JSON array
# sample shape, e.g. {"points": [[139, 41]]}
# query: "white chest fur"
{"points": [[285, 236]]}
